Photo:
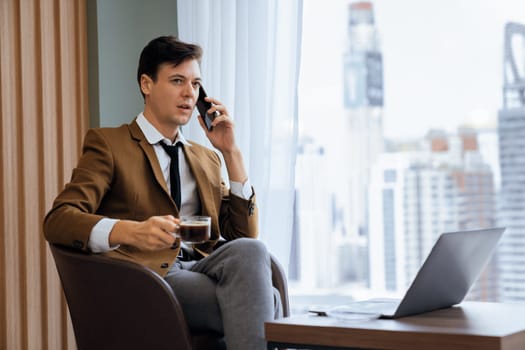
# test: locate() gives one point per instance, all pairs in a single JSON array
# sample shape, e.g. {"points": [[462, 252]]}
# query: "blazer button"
{"points": [[78, 244], [164, 265]]}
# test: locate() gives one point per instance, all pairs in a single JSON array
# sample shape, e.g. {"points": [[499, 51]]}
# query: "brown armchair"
{"points": [[117, 304]]}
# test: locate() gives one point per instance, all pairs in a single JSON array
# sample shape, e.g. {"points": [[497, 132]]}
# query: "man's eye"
{"points": [[176, 81]]}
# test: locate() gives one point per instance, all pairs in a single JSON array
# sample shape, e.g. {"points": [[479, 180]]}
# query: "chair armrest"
{"points": [[119, 304], [280, 283]]}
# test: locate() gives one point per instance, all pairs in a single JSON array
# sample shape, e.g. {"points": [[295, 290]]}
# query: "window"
{"points": [[404, 100]]}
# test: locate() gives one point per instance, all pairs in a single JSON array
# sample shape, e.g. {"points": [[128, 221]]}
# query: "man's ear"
{"points": [[145, 84]]}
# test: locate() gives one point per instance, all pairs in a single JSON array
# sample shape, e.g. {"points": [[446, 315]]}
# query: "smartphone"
{"points": [[203, 106]]}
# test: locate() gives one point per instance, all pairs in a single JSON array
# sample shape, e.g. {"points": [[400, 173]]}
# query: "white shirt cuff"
{"points": [[99, 238], [243, 191]]}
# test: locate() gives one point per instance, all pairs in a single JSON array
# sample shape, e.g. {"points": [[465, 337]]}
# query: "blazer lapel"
{"points": [[205, 188], [137, 134]]}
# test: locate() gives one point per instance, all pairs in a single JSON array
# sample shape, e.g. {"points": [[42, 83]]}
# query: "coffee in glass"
{"points": [[194, 229]]}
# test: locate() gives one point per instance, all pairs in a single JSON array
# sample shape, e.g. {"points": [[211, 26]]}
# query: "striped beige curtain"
{"points": [[44, 114]]}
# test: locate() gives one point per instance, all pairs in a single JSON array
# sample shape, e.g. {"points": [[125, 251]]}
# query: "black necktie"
{"points": [[173, 152]]}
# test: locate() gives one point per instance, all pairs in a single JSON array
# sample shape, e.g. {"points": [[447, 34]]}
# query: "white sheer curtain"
{"points": [[251, 63]]}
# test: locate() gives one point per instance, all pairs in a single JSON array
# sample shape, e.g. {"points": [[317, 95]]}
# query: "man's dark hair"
{"points": [[165, 49]]}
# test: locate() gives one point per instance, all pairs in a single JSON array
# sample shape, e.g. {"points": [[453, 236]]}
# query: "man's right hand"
{"points": [[153, 234]]}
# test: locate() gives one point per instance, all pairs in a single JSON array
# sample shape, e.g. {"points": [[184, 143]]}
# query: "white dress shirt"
{"points": [[190, 202]]}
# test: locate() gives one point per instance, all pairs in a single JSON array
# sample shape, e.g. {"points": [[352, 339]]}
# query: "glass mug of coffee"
{"points": [[193, 229]]}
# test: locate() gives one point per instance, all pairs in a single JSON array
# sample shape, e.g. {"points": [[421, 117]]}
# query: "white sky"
{"points": [[442, 62]]}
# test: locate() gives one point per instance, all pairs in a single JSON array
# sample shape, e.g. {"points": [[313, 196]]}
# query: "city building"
{"points": [[317, 229], [415, 196], [511, 130], [363, 101]]}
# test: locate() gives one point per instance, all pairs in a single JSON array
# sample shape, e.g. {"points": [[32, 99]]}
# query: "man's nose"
{"points": [[190, 91]]}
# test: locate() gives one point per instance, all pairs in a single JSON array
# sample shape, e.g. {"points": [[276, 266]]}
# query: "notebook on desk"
{"points": [[450, 270]]}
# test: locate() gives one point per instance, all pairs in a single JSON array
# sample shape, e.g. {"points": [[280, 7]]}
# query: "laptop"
{"points": [[446, 276]]}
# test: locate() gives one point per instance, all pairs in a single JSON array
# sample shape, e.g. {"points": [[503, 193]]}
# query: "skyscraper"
{"points": [[313, 246], [415, 196], [511, 131], [363, 101]]}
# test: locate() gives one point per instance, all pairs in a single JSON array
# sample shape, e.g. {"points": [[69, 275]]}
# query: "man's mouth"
{"points": [[185, 106]]}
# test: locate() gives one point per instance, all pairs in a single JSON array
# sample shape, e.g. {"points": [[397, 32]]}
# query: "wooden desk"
{"points": [[470, 325]]}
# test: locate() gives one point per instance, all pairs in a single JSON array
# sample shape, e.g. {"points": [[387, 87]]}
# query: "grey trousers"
{"points": [[229, 292]]}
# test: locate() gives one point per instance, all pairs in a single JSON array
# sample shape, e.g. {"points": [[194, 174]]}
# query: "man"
{"points": [[118, 202]]}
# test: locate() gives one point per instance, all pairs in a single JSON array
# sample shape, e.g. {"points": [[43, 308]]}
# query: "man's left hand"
{"points": [[222, 135]]}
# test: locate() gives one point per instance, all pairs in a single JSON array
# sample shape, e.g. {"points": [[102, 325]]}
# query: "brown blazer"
{"points": [[118, 176]]}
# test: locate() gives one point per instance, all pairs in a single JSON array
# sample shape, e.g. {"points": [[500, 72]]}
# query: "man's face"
{"points": [[171, 98]]}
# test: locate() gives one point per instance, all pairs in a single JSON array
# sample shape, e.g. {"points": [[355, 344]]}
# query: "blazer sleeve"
{"points": [[238, 216], [72, 216]]}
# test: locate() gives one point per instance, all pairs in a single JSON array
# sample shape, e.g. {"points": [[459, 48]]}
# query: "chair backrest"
{"points": [[116, 304]]}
